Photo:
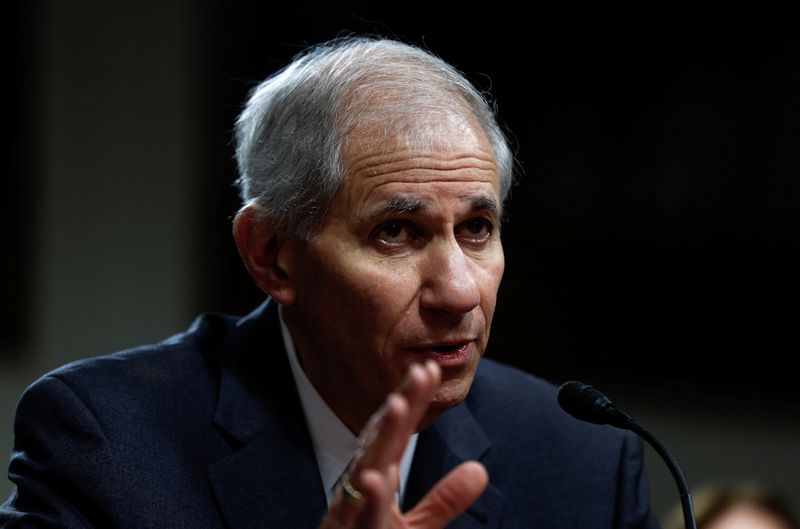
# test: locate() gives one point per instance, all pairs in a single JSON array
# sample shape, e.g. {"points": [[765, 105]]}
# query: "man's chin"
{"points": [[450, 394]]}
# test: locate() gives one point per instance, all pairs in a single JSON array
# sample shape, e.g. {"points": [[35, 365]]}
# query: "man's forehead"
{"points": [[433, 134], [409, 184], [387, 170], [420, 158]]}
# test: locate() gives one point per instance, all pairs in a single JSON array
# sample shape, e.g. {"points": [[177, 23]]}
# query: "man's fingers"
{"points": [[374, 473], [423, 382], [386, 435], [417, 389], [373, 508], [384, 439], [343, 512], [378, 496], [451, 496]]}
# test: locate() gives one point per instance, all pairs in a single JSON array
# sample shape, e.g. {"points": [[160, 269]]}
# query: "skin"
{"points": [[403, 273], [747, 516], [376, 289]]}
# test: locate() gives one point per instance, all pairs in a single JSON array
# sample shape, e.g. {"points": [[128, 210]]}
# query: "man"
{"points": [[373, 177]]}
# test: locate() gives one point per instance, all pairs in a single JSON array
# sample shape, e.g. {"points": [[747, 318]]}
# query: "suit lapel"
{"points": [[271, 478], [456, 437]]}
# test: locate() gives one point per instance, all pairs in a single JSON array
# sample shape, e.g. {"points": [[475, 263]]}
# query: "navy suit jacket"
{"points": [[205, 430]]}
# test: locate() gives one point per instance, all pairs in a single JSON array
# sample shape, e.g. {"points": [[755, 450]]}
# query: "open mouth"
{"points": [[447, 354], [448, 349]]}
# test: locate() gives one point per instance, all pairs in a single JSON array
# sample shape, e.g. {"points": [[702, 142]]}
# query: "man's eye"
{"points": [[475, 230], [395, 232]]}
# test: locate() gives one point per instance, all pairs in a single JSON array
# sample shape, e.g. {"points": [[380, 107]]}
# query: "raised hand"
{"points": [[368, 499]]}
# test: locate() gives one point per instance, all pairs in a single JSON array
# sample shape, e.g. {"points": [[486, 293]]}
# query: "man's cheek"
{"points": [[380, 290]]}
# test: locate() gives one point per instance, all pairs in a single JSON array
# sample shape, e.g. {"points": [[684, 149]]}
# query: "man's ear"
{"points": [[263, 249]]}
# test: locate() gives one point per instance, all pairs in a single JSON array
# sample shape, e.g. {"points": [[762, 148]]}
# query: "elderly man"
{"points": [[373, 177]]}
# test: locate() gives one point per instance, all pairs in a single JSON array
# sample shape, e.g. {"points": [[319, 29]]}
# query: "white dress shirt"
{"points": [[334, 444]]}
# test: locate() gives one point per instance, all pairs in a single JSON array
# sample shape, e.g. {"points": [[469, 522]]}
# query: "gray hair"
{"points": [[291, 133]]}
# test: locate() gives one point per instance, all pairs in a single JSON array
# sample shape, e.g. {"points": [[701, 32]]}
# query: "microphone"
{"points": [[586, 403]]}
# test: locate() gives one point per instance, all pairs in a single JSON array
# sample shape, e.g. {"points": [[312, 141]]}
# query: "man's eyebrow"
{"points": [[397, 205], [405, 204], [485, 202], [400, 204]]}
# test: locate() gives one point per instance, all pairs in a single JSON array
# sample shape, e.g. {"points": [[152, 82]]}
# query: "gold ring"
{"points": [[351, 494]]}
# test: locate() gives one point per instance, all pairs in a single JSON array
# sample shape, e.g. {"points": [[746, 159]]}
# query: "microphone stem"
{"points": [[677, 473]]}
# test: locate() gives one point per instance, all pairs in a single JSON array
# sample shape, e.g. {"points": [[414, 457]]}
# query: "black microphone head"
{"points": [[586, 403]]}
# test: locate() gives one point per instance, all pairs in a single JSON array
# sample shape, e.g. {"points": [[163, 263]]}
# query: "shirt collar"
{"points": [[334, 444]]}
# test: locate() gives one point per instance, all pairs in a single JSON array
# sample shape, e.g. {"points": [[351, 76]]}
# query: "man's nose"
{"points": [[449, 282]]}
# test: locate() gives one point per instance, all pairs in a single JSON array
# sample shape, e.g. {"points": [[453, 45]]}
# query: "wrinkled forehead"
{"points": [[429, 162], [444, 135], [404, 112], [424, 132], [394, 139]]}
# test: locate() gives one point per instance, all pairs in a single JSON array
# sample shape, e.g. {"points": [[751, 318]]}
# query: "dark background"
{"points": [[652, 242]]}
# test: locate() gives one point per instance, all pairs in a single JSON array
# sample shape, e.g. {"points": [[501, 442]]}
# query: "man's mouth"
{"points": [[449, 354]]}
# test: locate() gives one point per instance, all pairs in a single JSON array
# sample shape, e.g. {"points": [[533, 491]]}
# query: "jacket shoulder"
{"points": [[518, 409], [576, 474], [89, 434], [135, 387], [176, 356]]}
